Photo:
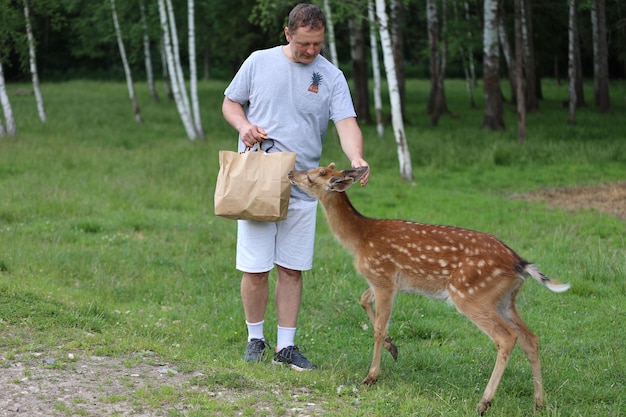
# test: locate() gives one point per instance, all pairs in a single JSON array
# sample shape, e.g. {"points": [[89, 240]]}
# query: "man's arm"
{"points": [[351, 140], [236, 117]]}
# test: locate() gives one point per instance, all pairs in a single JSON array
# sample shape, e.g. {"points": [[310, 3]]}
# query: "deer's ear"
{"points": [[355, 173], [340, 184]]}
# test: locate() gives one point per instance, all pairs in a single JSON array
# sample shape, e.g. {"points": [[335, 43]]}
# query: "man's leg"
{"points": [[254, 295], [288, 296]]}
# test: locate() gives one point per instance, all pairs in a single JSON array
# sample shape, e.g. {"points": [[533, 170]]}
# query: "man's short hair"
{"points": [[306, 15]]}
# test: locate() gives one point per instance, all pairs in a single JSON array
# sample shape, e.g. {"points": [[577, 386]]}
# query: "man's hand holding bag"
{"points": [[253, 185]]}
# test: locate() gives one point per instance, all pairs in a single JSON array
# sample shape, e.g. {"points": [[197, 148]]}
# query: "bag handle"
{"points": [[259, 148]]}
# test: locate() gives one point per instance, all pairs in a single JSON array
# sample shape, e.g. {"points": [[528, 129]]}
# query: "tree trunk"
{"points": [[532, 104], [510, 61], [404, 156], [433, 55], [519, 74], [466, 56], [129, 79], [11, 128], [177, 75], [332, 44], [472, 66], [378, 105], [600, 56], [440, 104], [146, 52], [164, 64], [579, 86], [183, 110], [360, 74], [193, 71], [493, 119], [397, 43], [572, 32], [33, 64]]}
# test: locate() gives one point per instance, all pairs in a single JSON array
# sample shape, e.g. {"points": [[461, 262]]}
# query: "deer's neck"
{"points": [[346, 223]]}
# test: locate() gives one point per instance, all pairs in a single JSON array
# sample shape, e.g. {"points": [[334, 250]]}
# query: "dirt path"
{"points": [[607, 198]]}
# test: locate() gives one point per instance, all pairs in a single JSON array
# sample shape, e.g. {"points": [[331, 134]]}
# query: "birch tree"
{"points": [[11, 128], [378, 105], [193, 72], [33, 64], [494, 118], [600, 56], [404, 157], [572, 34], [397, 43], [129, 79], [330, 26], [183, 110], [511, 62], [146, 52]]}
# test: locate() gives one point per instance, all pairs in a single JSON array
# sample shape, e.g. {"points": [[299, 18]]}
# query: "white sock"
{"points": [[285, 337], [255, 330]]}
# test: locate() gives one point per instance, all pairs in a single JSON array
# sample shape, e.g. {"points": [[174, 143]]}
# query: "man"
{"points": [[289, 94]]}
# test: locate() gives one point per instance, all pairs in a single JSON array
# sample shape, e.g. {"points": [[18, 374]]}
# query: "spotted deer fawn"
{"points": [[474, 271]]}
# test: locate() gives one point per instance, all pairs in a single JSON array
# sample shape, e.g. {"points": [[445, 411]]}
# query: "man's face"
{"points": [[305, 44]]}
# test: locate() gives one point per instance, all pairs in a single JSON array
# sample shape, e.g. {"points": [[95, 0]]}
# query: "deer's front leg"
{"points": [[367, 302], [384, 305]]}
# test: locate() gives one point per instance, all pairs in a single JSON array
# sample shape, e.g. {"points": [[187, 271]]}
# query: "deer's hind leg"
{"points": [[488, 319], [367, 302], [530, 345]]}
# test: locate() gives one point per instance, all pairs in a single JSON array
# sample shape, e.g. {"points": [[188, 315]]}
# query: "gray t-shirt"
{"points": [[292, 102]]}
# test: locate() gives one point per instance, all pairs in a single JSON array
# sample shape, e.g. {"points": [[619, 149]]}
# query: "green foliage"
{"points": [[109, 246]]}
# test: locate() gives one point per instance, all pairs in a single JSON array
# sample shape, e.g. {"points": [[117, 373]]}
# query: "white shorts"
{"points": [[288, 243]]}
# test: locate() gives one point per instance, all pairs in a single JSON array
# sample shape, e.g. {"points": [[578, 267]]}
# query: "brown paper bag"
{"points": [[253, 185]]}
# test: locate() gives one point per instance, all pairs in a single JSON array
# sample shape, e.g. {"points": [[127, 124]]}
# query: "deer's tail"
{"points": [[552, 284]]}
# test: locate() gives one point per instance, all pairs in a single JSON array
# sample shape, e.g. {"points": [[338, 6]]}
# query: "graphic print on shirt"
{"points": [[316, 80]]}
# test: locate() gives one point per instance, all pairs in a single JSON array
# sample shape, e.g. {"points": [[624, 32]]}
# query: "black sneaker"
{"points": [[291, 356], [255, 350]]}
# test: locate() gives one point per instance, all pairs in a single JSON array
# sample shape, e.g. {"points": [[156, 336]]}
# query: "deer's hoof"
{"points": [[482, 407], [369, 380]]}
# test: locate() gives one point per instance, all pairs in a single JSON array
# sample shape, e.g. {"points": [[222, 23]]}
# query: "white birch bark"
{"points": [[572, 31], [33, 64], [378, 104], [129, 79], [404, 157], [176, 91], [147, 54], [11, 128], [178, 75], [193, 71], [332, 44]]}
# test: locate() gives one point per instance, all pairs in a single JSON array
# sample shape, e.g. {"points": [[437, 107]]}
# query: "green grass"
{"points": [[109, 246]]}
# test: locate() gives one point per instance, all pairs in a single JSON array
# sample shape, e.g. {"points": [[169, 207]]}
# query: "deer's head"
{"points": [[318, 181]]}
